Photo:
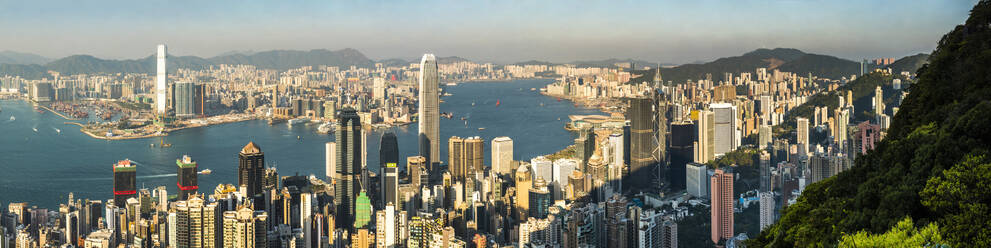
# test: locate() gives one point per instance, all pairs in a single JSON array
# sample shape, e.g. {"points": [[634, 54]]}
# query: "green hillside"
{"points": [[934, 165]]}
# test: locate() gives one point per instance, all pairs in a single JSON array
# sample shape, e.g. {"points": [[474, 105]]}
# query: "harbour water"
{"points": [[42, 167]]}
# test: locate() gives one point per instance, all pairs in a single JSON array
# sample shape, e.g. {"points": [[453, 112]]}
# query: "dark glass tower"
{"points": [[347, 184], [251, 168], [682, 152], [389, 175], [388, 149], [187, 177], [643, 126], [125, 182]]}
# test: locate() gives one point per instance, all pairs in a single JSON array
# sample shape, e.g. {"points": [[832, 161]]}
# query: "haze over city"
{"points": [[503, 124], [487, 31]]}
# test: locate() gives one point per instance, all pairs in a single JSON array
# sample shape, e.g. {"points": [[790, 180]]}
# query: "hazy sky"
{"points": [[497, 31]]}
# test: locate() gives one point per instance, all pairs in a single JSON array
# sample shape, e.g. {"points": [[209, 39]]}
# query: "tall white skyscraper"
{"points": [[160, 84], [802, 130], [704, 148], [766, 209], [306, 217], [878, 101], [502, 155], [764, 136], [331, 161], [725, 138], [429, 126]]}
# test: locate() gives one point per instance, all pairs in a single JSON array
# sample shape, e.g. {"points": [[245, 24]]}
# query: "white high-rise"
{"points": [[705, 147], [429, 122], [502, 155], [766, 209], [160, 84], [802, 130], [725, 138], [878, 101], [331, 162]]}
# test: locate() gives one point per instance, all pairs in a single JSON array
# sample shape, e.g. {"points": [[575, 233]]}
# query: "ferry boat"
{"points": [[298, 121], [274, 121]]}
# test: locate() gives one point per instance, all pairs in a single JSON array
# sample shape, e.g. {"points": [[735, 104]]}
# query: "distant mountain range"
{"points": [[783, 59], [792, 60], [11, 57]]}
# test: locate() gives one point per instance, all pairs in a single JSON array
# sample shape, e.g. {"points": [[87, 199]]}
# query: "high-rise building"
{"points": [[196, 223], [125, 182], [766, 209], [416, 167], [363, 211], [643, 126], [199, 99], [186, 174], [802, 131], [251, 168], [878, 101], [842, 121], [474, 151], [184, 99], [349, 169], [765, 171], [390, 184], [819, 168], [618, 163], [330, 162], [465, 157], [868, 134], [697, 180], [245, 228], [161, 86], [764, 137], [705, 147], [726, 138], [455, 158], [429, 117], [386, 227], [585, 146], [502, 155], [378, 88], [388, 149], [524, 178], [540, 199], [721, 197], [681, 151]]}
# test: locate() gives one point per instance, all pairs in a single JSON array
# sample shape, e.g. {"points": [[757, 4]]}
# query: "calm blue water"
{"points": [[43, 167]]}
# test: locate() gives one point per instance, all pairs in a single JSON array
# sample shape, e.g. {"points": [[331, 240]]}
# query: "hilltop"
{"points": [[933, 166]]}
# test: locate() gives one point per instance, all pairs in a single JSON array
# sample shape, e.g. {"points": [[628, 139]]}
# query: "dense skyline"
{"points": [[668, 32]]}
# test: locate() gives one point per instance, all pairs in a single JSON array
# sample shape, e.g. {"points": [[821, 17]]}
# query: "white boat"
{"points": [[35, 129], [452, 84], [12, 118], [325, 128], [206, 172], [58, 130], [299, 120]]}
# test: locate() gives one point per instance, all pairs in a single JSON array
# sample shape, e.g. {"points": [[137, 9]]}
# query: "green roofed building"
{"points": [[363, 211]]}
